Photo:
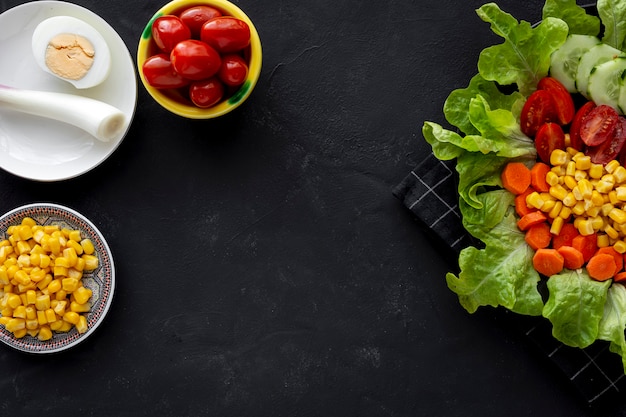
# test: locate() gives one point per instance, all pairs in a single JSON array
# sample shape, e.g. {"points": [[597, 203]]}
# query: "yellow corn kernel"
{"points": [[18, 334], [91, 262], [597, 199], [44, 282], [596, 171], [71, 317], [43, 302], [569, 181], [76, 246], [611, 166], [565, 213], [37, 274], [70, 254], [583, 162], [74, 236], [60, 271], [66, 326], [13, 301], [556, 209], [4, 320], [620, 246], [552, 178], [15, 324], [60, 307], [548, 205], [558, 157], [31, 313], [79, 308], [41, 317], [585, 227], [618, 215], [593, 211], [45, 333], [69, 284], [603, 241], [558, 192], [611, 232], [604, 186], [556, 226], [597, 223], [21, 277], [60, 295], [62, 261], [50, 316], [22, 247], [6, 312], [570, 169], [20, 312], [580, 175], [54, 286], [88, 247], [81, 325], [74, 273], [56, 325], [620, 174], [82, 294]]}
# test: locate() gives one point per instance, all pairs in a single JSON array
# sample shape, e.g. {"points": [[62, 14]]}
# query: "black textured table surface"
{"points": [[264, 266]]}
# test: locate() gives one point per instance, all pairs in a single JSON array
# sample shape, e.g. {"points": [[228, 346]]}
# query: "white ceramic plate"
{"points": [[42, 149], [101, 281]]}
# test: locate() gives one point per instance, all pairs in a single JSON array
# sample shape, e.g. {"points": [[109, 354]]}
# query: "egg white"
{"points": [[57, 25]]}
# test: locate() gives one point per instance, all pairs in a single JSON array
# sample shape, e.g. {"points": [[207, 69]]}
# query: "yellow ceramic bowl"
{"points": [[176, 102]]}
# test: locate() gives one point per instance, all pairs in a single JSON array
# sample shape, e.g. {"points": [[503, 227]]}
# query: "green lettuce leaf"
{"points": [[477, 172], [501, 274], [613, 16], [446, 144], [524, 57], [494, 205], [613, 322], [575, 16], [575, 307], [456, 106]]}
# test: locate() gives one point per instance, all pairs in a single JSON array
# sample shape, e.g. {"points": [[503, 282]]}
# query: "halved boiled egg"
{"points": [[71, 50]]}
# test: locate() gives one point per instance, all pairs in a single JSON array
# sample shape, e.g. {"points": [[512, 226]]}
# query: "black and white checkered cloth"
{"points": [[430, 192]]}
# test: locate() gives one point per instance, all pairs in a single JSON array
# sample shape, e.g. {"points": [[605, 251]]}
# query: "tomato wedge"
{"points": [[563, 101], [599, 124], [576, 141], [550, 136], [611, 148], [538, 109]]}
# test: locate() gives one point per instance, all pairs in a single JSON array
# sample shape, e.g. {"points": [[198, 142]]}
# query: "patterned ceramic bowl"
{"points": [[100, 281], [175, 100]]}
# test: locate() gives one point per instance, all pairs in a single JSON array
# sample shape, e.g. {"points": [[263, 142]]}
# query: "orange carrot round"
{"points": [[601, 267], [538, 177], [620, 277], [572, 257], [521, 208], [515, 177], [587, 245], [548, 261], [617, 257], [538, 236], [566, 235], [531, 219]]}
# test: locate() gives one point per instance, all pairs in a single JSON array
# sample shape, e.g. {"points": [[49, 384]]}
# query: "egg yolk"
{"points": [[70, 56]]}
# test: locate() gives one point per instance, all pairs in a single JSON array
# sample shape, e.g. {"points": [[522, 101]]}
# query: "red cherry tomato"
{"points": [[206, 93], [233, 71], [599, 125], [563, 102], [538, 109], [550, 136], [159, 73], [226, 34], [195, 60], [576, 141], [167, 31], [611, 148], [195, 17]]}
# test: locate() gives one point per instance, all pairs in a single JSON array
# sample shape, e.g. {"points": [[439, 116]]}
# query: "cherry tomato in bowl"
{"points": [[178, 100]]}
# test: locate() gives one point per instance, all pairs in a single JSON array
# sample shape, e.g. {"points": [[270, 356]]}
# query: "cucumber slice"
{"points": [[605, 82], [564, 61], [591, 59]]}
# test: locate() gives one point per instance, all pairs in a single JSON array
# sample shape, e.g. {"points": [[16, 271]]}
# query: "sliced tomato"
{"points": [[550, 136], [538, 109], [576, 141], [563, 101], [611, 148], [599, 125]]}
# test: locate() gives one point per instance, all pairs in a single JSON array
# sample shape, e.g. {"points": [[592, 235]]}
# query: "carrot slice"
{"points": [[521, 208], [601, 267], [515, 177], [618, 257], [573, 258], [620, 277], [548, 262], [538, 177], [538, 236], [531, 219], [587, 245], [566, 235]]}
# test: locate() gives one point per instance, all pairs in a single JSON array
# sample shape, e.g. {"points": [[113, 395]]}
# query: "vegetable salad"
{"points": [[486, 137]]}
